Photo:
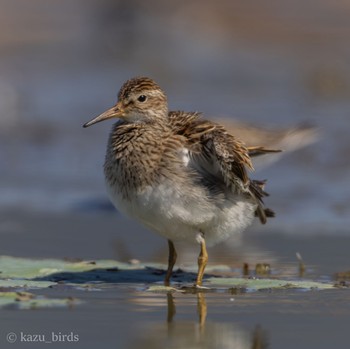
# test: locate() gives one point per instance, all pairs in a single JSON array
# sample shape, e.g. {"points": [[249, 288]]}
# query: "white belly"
{"points": [[178, 215]]}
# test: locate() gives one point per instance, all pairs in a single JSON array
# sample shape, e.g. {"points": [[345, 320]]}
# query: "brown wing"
{"points": [[210, 143], [216, 152], [229, 155]]}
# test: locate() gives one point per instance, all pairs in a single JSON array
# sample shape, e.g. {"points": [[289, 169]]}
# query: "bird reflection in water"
{"points": [[180, 333]]}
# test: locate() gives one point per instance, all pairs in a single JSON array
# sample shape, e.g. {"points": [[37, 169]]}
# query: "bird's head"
{"points": [[139, 100]]}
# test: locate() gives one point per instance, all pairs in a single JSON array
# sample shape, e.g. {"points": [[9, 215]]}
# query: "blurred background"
{"points": [[273, 65]]}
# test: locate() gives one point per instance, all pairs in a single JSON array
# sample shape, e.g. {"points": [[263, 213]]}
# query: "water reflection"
{"points": [[179, 332]]}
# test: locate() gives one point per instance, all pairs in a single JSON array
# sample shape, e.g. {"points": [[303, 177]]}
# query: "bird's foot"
{"points": [[194, 288]]}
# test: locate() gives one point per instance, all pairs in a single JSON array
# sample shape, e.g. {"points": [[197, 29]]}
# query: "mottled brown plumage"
{"points": [[180, 175], [206, 138]]}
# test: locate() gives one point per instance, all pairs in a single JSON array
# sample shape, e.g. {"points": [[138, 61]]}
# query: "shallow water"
{"points": [[124, 315]]}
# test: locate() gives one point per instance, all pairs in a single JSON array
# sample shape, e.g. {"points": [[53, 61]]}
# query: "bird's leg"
{"points": [[171, 262], [202, 259]]}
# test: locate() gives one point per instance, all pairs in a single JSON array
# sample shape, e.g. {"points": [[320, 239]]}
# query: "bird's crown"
{"points": [[137, 85]]}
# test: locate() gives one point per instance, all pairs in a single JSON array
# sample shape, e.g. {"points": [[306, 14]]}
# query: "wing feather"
{"points": [[217, 153]]}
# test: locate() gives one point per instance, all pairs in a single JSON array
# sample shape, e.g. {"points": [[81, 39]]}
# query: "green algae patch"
{"points": [[161, 289], [216, 284], [266, 284], [26, 300], [13, 267], [23, 274], [24, 284]]}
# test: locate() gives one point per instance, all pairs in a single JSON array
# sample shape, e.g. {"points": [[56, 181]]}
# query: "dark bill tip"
{"points": [[108, 114]]}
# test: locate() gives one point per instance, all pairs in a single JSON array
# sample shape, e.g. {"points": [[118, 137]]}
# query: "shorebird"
{"points": [[182, 176]]}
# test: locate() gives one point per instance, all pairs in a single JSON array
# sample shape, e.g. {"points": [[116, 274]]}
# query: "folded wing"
{"points": [[215, 152]]}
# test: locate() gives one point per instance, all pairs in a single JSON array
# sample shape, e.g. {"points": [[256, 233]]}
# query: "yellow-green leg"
{"points": [[171, 262], [202, 259]]}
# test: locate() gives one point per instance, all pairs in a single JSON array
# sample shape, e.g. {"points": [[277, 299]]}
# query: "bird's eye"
{"points": [[142, 98]]}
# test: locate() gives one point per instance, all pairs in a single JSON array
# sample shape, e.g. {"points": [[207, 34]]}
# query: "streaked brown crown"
{"points": [[153, 105], [138, 85]]}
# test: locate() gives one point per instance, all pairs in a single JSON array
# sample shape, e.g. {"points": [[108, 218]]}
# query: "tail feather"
{"points": [[256, 189]]}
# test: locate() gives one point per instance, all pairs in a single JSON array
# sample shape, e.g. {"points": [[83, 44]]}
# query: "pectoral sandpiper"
{"points": [[178, 174]]}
